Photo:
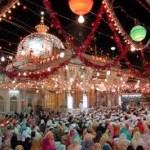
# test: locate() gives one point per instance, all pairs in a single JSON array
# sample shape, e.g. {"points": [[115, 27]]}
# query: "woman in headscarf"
{"points": [[106, 147], [48, 142], [73, 134], [110, 128], [140, 126], [137, 140], [125, 131], [90, 134], [136, 129], [24, 133], [104, 138], [65, 138], [75, 145], [121, 143], [116, 130]]}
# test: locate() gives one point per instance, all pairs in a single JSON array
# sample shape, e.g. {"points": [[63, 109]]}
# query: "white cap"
{"points": [[72, 126], [42, 121]]}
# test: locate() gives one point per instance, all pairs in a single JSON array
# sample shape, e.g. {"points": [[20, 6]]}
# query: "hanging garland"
{"points": [[56, 22], [36, 76], [123, 51], [143, 59], [88, 40], [118, 27], [113, 63], [137, 73], [58, 26], [143, 5], [7, 7]]}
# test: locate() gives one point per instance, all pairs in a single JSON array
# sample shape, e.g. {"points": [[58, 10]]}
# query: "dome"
{"points": [[39, 44]]}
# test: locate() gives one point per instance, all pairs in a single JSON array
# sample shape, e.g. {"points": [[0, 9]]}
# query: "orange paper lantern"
{"points": [[80, 7]]}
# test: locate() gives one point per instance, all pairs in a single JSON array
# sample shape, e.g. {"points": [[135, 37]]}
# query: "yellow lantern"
{"points": [[81, 7]]}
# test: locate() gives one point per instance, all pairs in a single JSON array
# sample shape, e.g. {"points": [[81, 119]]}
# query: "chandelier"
{"points": [[39, 44], [36, 48]]}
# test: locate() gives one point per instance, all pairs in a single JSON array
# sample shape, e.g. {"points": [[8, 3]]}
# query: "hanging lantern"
{"points": [[138, 33], [80, 7]]}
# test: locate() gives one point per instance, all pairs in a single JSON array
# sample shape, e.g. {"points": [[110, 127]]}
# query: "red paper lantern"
{"points": [[80, 7]]}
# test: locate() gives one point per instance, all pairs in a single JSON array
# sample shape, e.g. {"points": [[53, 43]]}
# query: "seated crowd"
{"points": [[98, 129]]}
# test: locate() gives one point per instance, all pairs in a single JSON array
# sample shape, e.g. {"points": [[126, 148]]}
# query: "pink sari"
{"points": [[48, 142]]}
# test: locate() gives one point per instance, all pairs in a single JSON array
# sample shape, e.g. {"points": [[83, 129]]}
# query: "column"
{"points": [[7, 101], [69, 101]]}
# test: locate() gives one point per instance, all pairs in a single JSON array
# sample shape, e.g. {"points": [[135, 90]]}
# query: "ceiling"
{"points": [[24, 18]]}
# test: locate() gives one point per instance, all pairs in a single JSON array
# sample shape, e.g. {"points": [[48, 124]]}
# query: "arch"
{"points": [[13, 98], [13, 103]]}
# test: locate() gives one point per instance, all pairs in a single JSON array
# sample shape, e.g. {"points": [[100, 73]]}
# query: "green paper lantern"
{"points": [[138, 33]]}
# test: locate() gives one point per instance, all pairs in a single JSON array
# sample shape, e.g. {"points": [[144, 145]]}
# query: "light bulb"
{"points": [[4, 15], [98, 74], [62, 54], [66, 67], [48, 69], [10, 57], [108, 72], [132, 49], [14, 6], [81, 19], [42, 12], [23, 53], [113, 48], [9, 11], [2, 58]]}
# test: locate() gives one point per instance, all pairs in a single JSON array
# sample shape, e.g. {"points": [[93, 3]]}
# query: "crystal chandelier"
{"points": [[37, 49], [40, 43]]}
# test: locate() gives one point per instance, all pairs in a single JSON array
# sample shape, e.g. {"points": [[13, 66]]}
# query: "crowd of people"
{"points": [[97, 129]]}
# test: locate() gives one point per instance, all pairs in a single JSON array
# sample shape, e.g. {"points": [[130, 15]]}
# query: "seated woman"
{"points": [[48, 142]]}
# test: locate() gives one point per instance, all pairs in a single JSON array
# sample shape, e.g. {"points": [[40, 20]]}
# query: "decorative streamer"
{"points": [[143, 5], [135, 72], [57, 25], [118, 27]]}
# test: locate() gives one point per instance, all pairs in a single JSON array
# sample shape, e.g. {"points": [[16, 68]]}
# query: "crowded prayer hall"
{"points": [[74, 75]]}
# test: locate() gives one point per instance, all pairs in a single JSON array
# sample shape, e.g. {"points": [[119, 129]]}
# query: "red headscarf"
{"points": [[140, 126]]}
